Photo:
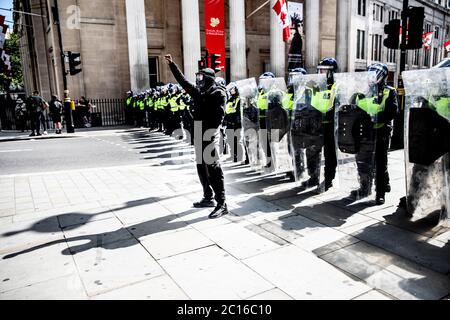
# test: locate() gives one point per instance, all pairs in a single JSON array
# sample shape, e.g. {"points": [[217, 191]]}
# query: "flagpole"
{"points": [[259, 8]]}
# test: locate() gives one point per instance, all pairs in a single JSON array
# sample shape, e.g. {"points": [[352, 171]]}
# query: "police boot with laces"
{"points": [[219, 211], [205, 203]]}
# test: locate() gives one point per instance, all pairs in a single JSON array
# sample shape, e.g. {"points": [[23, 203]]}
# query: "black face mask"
{"points": [[204, 82]]}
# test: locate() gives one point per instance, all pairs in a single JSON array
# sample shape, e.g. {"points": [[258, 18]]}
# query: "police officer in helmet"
{"points": [[329, 66], [386, 101]]}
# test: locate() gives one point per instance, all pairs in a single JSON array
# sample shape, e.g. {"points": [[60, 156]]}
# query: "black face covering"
{"points": [[204, 82]]}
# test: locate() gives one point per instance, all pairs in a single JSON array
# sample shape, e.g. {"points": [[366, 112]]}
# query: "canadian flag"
{"points": [[447, 46], [281, 10], [427, 40]]}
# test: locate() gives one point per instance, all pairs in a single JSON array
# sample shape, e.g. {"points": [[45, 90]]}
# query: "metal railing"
{"points": [[106, 113]]}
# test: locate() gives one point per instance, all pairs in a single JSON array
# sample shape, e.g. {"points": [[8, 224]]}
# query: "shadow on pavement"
{"points": [[137, 231]]}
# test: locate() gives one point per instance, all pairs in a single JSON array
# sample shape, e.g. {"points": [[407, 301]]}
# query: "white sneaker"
{"points": [[45, 133]]}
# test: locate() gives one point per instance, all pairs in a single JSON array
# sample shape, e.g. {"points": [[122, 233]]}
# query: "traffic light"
{"points": [[216, 62], [74, 61], [392, 29], [415, 27], [202, 64]]}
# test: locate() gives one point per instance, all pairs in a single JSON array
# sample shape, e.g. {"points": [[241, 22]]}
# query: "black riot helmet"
{"points": [[328, 66], [205, 79], [381, 71]]}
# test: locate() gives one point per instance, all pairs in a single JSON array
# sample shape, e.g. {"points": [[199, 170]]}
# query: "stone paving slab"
{"points": [[37, 266], [64, 288], [115, 265], [390, 273], [158, 288], [212, 274], [302, 275], [171, 244], [239, 241], [274, 294], [435, 256]]}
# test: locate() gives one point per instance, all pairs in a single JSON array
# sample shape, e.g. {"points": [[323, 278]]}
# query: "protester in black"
{"points": [[209, 100], [56, 108]]}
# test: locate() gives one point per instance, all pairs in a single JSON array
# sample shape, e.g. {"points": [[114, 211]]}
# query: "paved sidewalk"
{"points": [[130, 232]]}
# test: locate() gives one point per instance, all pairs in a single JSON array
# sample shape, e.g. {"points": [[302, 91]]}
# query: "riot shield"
{"points": [[276, 132], [312, 101], [248, 92], [265, 87], [427, 143], [355, 133]]}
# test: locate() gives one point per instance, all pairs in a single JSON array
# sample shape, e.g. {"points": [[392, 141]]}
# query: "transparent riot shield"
{"points": [[312, 101], [266, 87], [355, 133], [427, 143], [276, 132], [248, 92]]}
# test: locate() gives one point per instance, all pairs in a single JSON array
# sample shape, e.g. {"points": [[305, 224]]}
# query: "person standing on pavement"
{"points": [[56, 108], [36, 105], [210, 101]]}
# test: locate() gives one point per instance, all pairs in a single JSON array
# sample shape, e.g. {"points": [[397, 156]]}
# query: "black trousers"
{"points": [[35, 118], [329, 152], [381, 159], [210, 172]]}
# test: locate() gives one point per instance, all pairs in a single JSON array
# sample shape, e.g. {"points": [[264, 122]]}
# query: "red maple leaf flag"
{"points": [[427, 40], [280, 9], [447, 46]]}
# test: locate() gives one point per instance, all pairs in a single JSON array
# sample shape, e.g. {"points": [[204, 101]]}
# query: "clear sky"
{"points": [[8, 4]]}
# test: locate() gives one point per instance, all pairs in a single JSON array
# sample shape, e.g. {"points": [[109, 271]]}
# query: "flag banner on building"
{"points": [[427, 40], [3, 30], [281, 11], [2, 20], [447, 46], [215, 29]]}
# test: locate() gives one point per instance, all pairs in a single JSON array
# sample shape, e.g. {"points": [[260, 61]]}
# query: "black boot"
{"points": [[380, 199], [205, 203], [219, 211]]}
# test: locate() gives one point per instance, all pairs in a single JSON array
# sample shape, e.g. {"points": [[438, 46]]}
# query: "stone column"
{"points": [[277, 45], [238, 45], [191, 37], [137, 45], [342, 34], [312, 34]]}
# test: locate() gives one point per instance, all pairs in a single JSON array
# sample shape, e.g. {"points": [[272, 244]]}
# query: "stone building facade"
{"points": [[99, 31], [360, 27]]}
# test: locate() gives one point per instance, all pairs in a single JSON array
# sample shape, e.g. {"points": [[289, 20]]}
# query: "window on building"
{"points": [[378, 12], [426, 58], [428, 27], [416, 57], [361, 44], [362, 8], [393, 14], [435, 56], [153, 70], [376, 47], [436, 32], [392, 56]]}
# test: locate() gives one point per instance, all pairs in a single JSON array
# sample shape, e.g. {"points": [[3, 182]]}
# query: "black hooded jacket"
{"points": [[209, 105]]}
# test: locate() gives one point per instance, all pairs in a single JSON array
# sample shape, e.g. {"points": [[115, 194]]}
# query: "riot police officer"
{"points": [[329, 66], [262, 103], [383, 108], [233, 122]]}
